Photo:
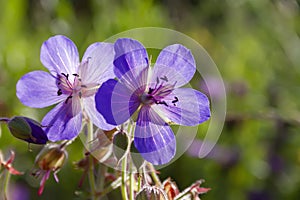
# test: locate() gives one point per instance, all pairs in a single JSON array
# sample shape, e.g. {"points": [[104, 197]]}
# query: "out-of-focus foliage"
{"points": [[256, 46]]}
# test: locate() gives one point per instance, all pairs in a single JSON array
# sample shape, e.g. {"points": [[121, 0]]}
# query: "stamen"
{"points": [[161, 102], [80, 94], [150, 91], [65, 75], [157, 80], [69, 97], [164, 78], [83, 86], [75, 75]]}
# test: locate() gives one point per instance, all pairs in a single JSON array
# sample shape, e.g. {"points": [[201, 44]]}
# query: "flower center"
{"points": [[65, 86], [75, 89], [159, 93]]}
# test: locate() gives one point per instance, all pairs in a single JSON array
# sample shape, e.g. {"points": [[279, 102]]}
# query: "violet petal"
{"points": [[94, 115], [100, 57], [130, 55], [60, 55], [38, 89], [115, 102], [60, 122], [175, 64], [192, 107], [153, 138]]}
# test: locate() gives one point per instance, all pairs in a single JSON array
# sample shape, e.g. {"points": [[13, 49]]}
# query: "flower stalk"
{"points": [[153, 174], [102, 169], [6, 185], [114, 185], [131, 181], [139, 181], [124, 179], [91, 176]]}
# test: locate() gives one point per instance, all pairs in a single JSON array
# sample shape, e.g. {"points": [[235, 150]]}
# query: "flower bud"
{"points": [[51, 158], [27, 129], [151, 193], [120, 141]]}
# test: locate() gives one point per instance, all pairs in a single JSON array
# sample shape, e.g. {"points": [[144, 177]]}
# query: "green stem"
{"points": [[6, 184], [101, 177], [91, 176], [131, 182], [153, 174], [114, 185], [139, 186], [124, 178]]}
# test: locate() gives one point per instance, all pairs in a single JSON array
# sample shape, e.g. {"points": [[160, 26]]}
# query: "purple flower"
{"points": [[70, 83], [153, 95]]}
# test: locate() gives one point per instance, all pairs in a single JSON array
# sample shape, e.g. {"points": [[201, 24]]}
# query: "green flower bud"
{"points": [[27, 129], [51, 158]]}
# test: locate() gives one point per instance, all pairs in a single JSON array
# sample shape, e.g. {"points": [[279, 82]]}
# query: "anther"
{"points": [[161, 102], [75, 75], [65, 75], [175, 101], [59, 92], [150, 91], [69, 97], [164, 78]]}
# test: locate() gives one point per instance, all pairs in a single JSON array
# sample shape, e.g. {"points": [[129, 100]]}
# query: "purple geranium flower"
{"points": [[152, 93], [70, 83]]}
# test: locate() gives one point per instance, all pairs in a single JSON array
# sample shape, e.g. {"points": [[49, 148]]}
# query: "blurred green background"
{"points": [[254, 43]]}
